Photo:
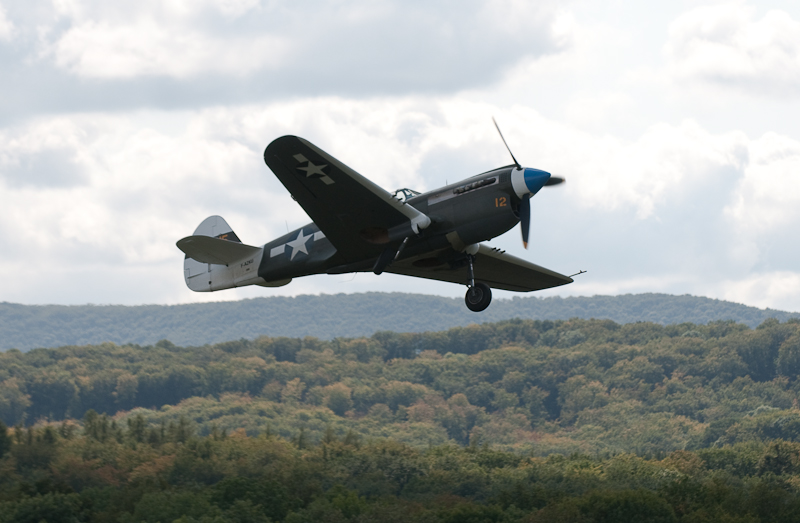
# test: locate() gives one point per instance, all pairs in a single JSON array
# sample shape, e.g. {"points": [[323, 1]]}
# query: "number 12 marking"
{"points": [[500, 202]]}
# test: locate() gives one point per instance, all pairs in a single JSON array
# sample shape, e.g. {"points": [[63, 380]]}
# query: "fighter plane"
{"points": [[358, 227]]}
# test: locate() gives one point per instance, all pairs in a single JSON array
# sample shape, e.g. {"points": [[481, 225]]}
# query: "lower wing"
{"points": [[493, 267]]}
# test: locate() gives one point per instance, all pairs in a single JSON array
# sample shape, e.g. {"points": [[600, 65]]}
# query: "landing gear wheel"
{"points": [[478, 297]]}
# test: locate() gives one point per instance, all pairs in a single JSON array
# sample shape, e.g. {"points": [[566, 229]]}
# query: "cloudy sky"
{"points": [[676, 123]]}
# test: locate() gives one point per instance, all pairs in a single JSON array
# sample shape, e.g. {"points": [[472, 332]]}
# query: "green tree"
{"points": [[125, 391], [170, 505], [13, 401], [789, 358], [96, 426], [5, 440], [50, 507], [780, 457], [338, 398], [51, 393], [137, 428], [626, 505]]}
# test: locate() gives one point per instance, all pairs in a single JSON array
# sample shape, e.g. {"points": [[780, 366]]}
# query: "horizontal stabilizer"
{"points": [[206, 249]]}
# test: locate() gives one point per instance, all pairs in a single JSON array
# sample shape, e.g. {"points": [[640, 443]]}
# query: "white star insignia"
{"points": [[299, 244], [312, 169]]}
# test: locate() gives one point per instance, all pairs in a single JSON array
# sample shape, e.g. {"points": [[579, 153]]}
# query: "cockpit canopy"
{"points": [[405, 194]]}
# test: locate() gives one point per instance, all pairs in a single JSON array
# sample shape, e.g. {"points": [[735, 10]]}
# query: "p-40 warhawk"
{"points": [[358, 227]]}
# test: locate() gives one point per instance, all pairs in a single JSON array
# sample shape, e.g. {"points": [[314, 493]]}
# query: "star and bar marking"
{"points": [[297, 245], [313, 170]]}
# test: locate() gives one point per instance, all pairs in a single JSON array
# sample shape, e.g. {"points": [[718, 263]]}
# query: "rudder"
{"points": [[216, 227], [193, 270]]}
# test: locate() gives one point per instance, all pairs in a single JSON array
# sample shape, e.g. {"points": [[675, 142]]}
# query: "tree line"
{"points": [[331, 316], [103, 470], [542, 387]]}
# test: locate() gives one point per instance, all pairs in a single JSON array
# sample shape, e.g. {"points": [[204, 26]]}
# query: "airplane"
{"points": [[358, 226]]}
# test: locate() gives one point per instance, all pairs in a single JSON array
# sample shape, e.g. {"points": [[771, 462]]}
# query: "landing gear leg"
{"points": [[479, 295]]}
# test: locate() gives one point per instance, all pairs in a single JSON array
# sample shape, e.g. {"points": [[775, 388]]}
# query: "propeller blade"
{"points": [[506, 144], [525, 218], [554, 180]]}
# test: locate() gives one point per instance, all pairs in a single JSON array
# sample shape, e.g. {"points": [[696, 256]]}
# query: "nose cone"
{"points": [[528, 180]]}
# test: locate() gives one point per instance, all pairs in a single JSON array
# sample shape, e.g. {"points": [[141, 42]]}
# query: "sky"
{"points": [[675, 123]]}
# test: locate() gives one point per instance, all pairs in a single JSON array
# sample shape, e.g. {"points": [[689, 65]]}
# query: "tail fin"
{"points": [[216, 227], [216, 259], [196, 273]]}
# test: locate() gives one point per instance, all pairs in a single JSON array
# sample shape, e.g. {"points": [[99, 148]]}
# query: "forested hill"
{"points": [[518, 421], [330, 316]]}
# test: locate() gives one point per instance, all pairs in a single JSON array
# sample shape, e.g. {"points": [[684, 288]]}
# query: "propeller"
{"points": [[505, 143], [525, 218], [525, 201]]}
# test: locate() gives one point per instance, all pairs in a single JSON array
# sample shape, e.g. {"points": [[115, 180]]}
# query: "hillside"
{"points": [[516, 421], [330, 316], [588, 386], [132, 474]]}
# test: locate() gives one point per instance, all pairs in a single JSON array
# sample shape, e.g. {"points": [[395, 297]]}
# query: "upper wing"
{"points": [[493, 267], [356, 215]]}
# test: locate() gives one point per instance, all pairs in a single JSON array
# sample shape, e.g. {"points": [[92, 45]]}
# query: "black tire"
{"points": [[478, 297]]}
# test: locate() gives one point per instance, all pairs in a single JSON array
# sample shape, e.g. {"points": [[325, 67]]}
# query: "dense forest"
{"points": [[538, 387], [134, 473], [515, 421], [331, 316]]}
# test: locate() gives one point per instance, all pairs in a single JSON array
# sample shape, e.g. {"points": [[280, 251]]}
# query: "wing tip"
{"points": [[277, 142]]}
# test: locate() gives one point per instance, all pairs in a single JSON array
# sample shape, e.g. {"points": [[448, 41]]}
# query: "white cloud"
{"points": [[45, 159], [102, 50], [327, 42], [768, 197], [166, 9], [660, 168], [726, 45], [774, 290], [7, 28], [594, 109], [136, 186]]}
